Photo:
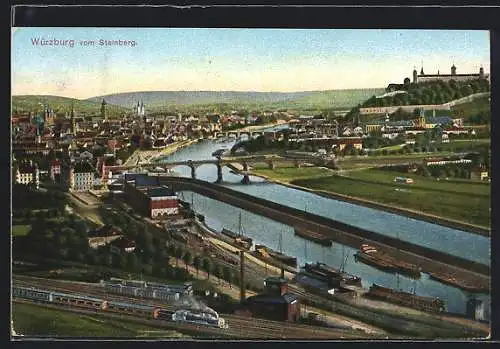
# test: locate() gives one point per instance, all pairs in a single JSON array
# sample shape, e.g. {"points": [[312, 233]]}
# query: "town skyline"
{"points": [[243, 60]]}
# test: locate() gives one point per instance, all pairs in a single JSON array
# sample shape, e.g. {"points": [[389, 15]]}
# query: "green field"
{"points": [[467, 202], [420, 182], [34, 320], [288, 174], [21, 229], [465, 144]]}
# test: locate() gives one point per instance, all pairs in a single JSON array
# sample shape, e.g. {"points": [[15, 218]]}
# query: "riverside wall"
{"points": [[428, 259]]}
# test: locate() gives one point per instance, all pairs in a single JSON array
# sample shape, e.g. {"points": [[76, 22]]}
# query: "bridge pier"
{"points": [[193, 170], [219, 173], [246, 179]]}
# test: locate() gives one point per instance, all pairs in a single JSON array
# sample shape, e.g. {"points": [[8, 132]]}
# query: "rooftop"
{"points": [[285, 298], [160, 191]]}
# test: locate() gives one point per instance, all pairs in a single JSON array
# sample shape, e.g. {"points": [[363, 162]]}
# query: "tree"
{"points": [[188, 259], [218, 271], [107, 259], [179, 252], [197, 264], [228, 275], [132, 262], [91, 257], [207, 266], [147, 269]]}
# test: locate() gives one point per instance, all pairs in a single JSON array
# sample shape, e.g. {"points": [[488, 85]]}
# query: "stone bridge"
{"points": [[243, 165], [250, 134]]}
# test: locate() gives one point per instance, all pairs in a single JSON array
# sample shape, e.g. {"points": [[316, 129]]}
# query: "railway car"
{"points": [[32, 293], [136, 309], [164, 314], [132, 283], [198, 318], [166, 295], [148, 292], [79, 301]]}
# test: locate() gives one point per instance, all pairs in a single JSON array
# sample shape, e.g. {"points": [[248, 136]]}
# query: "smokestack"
{"points": [[242, 277]]}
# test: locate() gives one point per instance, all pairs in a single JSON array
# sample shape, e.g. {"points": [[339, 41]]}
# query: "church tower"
{"points": [[73, 122], [481, 72], [415, 75], [140, 109], [104, 115], [453, 70]]}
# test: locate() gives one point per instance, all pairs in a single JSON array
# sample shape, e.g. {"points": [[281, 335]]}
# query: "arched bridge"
{"points": [[238, 164]]}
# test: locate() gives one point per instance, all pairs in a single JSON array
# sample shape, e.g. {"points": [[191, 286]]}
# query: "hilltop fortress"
{"points": [[422, 77]]}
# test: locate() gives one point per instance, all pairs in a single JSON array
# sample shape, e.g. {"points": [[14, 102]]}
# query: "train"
{"points": [[207, 317], [185, 289], [154, 293]]}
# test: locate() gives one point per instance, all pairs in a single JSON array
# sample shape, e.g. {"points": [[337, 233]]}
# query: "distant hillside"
{"points": [[161, 98], [59, 104], [308, 99], [339, 99]]}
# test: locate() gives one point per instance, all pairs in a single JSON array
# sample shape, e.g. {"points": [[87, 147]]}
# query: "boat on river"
{"points": [[238, 238], [469, 286], [326, 273], [313, 236], [266, 252], [370, 255], [406, 299]]}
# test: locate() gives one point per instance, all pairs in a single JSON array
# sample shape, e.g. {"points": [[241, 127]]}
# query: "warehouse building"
{"points": [[276, 303], [148, 197]]}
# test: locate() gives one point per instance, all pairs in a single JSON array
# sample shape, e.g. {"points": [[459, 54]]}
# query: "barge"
{"points": [[266, 252], [328, 274], [238, 239], [428, 304], [371, 256], [449, 279], [313, 236]]}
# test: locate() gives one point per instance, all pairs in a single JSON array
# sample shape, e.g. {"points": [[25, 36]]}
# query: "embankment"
{"points": [[429, 259], [427, 217]]}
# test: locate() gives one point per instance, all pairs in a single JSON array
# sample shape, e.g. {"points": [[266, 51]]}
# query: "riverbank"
{"points": [[153, 154], [444, 221]]}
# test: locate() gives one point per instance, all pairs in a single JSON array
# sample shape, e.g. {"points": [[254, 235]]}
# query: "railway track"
{"points": [[241, 327]]}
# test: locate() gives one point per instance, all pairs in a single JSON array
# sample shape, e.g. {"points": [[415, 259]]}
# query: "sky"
{"points": [[197, 59]]}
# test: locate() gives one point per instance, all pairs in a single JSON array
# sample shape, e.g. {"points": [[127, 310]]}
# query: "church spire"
{"points": [[73, 127], [103, 110]]}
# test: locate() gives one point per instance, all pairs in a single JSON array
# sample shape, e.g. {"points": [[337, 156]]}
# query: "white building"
{"points": [[82, 177], [28, 174]]}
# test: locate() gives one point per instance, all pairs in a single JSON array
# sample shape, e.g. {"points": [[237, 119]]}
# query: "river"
{"points": [[266, 231]]}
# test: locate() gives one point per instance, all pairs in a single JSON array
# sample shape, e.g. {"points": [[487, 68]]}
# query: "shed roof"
{"points": [[285, 298]]}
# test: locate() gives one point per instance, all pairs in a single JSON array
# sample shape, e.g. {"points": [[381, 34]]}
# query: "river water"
{"points": [[266, 231]]}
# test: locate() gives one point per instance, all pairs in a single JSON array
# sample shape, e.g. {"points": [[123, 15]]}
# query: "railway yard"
{"points": [[350, 314], [237, 326]]}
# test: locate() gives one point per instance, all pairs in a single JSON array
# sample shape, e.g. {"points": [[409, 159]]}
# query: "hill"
{"points": [[295, 100], [337, 99], [26, 103], [475, 112]]}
